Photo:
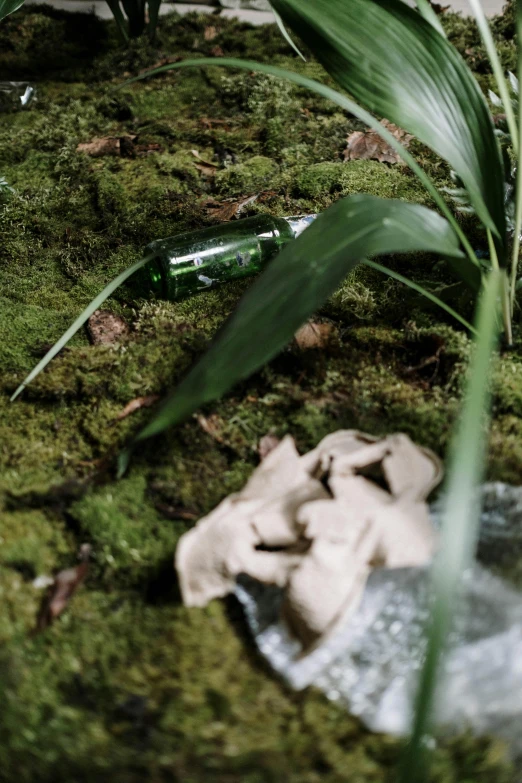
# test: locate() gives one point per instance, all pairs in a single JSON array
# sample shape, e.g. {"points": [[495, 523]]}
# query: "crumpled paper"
{"points": [[316, 526]]}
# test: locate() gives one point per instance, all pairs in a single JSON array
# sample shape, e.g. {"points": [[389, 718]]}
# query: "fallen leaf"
{"points": [[109, 145], [368, 145], [228, 209], [313, 335], [160, 63], [99, 147], [106, 328], [177, 512], [136, 404], [210, 33], [217, 51], [60, 592], [203, 160], [208, 171], [267, 444], [205, 166], [211, 425]]}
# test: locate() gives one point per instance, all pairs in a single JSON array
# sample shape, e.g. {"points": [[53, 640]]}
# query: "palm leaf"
{"points": [[461, 519], [8, 6], [398, 65], [468, 268], [293, 286]]}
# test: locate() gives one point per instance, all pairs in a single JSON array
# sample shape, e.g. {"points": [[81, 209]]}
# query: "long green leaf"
{"points": [[396, 64], [293, 286], [286, 35], [461, 518], [8, 6], [420, 290], [470, 267], [89, 310], [498, 71], [119, 18]]}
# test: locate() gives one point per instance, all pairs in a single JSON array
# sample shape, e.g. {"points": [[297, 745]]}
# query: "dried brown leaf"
{"points": [[63, 587], [109, 145], [212, 425], [210, 33], [313, 335], [106, 328], [228, 209], [217, 51], [136, 404], [368, 145], [203, 160]]}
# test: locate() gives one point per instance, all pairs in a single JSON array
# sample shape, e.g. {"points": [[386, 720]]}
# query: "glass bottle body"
{"points": [[199, 260]]}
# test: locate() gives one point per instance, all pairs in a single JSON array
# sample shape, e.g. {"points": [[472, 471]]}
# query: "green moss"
{"points": [[127, 685], [257, 173], [359, 176]]}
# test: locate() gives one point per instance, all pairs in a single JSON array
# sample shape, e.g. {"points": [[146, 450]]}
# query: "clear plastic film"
{"points": [[371, 664], [16, 95]]}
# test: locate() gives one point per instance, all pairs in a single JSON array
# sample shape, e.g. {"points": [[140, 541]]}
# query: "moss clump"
{"points": [[257, 173], [358, 176], [127, 685]]}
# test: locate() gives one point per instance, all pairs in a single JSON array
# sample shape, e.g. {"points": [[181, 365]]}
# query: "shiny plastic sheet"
{"points": [[371, 664]]}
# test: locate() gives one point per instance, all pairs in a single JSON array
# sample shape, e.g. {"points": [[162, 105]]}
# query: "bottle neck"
{"points": [[298, 223]]}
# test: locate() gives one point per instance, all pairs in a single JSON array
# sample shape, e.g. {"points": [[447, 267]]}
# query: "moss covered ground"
{"points": [[127, 685]]}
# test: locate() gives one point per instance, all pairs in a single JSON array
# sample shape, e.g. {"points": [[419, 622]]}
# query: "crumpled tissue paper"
{"points": [[330, 554]]}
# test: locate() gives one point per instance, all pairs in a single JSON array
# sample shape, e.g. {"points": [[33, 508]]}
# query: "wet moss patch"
{"points": [[127, 685]]}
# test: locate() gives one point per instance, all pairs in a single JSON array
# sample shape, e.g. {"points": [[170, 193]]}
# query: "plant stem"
{"points": [[425, 10], [460, 525], [503, 88], [518, 187]]}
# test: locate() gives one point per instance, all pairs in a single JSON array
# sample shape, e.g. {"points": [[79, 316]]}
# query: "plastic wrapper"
{"points": [[371, 664], [16, 95]]}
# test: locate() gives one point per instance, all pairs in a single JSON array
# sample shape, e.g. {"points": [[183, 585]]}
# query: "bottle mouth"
{"points": [[298, 223]]}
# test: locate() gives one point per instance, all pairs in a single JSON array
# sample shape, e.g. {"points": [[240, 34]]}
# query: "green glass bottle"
{"points": [[199, 260]]}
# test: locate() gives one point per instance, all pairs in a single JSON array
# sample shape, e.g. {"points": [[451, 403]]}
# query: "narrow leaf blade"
{"points": [[294, 285], [396, 64], [461, 517], [8, 6]]}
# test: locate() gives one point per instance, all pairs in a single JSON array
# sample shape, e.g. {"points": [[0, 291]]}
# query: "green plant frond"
{"points": [[286, 35], [420, 290], [295, 285], [424, 7], [461, 517], [503, 88], [89, 310], [347, 105], [396, 64], [8, 6]]}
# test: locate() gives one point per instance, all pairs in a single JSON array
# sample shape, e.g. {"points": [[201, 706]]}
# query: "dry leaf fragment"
{"points": [[212, 425], [203, 160], [210, 33], [368, 145], [217, 51], [228, 209], [63, 587], [109, 145], [106, 328], [136, 404], [314, 335]]}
